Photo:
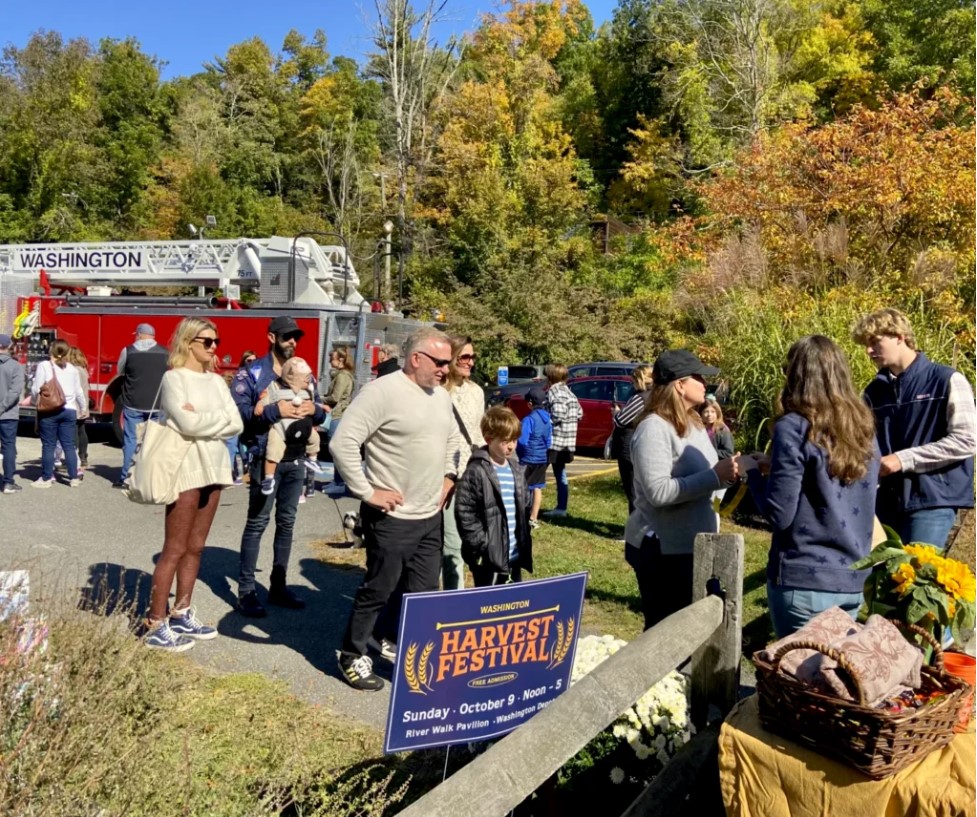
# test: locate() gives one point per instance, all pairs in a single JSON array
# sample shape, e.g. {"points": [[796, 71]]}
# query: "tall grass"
{"points": [[99, 725]]}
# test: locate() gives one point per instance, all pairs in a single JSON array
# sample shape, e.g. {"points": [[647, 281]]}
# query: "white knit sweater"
{"points": [[469, 399], [213, 420]]}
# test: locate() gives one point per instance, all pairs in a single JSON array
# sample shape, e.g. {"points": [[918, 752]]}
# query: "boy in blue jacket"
{"points": [[534, 442]]}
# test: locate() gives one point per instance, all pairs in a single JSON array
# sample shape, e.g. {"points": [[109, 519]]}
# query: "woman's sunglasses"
{"points": [[467, 358], [208, 342]]}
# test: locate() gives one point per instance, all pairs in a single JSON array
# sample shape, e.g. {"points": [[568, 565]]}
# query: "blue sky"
{"points": [[187, 34]]}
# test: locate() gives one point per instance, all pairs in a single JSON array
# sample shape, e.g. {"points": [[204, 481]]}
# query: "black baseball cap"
{"points": [[536, 395], [284, 325], [674, 364]]}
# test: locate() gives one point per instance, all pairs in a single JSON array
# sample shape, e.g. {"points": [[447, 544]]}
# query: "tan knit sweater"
{"points": [[469, 399], [213, 420]]}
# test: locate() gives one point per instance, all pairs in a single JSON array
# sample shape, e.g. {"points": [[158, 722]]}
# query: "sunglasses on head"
{"points": [[209, 342], [468, 358], [437, 361]]}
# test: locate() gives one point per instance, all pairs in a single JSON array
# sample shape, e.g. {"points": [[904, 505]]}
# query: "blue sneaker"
{"points": [[161, 637], [268, 486], [187, 623]]}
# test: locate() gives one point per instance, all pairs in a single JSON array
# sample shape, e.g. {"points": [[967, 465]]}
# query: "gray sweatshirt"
{"points": [[11, 387], [674, 486]]}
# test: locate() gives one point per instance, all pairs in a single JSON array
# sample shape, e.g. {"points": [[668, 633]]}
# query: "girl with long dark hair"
{"points": [[819, 491]]}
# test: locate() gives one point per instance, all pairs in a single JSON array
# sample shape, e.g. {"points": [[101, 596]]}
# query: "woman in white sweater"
{"points": [[58, 425], [468, 401], [196, 403]]}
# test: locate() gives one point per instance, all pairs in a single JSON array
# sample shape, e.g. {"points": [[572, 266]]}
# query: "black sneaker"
{"points": [[357, 671], [12, 488], [119, 484], [281, 596], [249, 606]]}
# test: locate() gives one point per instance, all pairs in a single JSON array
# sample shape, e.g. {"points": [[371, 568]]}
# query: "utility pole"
{"points": [[388, 228]]}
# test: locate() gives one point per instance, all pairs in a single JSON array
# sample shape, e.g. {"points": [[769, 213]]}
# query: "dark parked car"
{"points": [[602, 368], [599, 398]]}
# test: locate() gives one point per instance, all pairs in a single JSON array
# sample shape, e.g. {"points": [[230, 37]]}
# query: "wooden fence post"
{"points": [[716, 664]]}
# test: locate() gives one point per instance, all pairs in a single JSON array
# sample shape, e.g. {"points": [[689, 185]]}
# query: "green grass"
{"points": [[586, 540]]}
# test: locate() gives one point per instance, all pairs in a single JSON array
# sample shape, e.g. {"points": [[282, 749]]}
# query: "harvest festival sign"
{"points": [[475, 664]]}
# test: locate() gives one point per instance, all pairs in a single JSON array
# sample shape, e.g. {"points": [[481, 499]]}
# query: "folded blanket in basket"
{"points": [[826, 628], [884, 660]]}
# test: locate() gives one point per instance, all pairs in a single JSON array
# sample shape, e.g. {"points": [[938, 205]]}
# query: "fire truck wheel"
{"points": [[117, 422]]}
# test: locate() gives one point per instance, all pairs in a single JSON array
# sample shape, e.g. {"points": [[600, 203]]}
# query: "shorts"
{"points": [[535, 474]]}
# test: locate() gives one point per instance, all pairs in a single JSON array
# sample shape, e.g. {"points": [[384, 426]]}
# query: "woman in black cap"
{"points": [[676, 475]]}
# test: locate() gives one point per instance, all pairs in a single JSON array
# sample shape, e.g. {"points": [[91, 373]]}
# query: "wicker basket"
{"points": [[876, 742]]}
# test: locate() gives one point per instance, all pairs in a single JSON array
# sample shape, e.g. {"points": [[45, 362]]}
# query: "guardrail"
{"points": [[708, 630]]}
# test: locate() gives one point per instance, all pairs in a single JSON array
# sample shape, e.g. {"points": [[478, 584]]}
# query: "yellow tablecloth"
{"points": [[765, 775]]}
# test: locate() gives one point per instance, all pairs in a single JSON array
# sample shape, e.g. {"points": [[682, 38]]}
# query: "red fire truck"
{"points": [[67, 291]]}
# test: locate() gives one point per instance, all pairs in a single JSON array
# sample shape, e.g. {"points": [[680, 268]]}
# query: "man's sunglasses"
{"points": [[437, 361], [208, 342], [296, 336]]}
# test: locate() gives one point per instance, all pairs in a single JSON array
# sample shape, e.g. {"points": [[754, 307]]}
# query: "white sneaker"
{"points": [[313, 465], [387, 649], [40, 482], [74, 483], [302, 499]]}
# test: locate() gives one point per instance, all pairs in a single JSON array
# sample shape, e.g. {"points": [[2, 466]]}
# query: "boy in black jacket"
{"points": [[492, 505]]}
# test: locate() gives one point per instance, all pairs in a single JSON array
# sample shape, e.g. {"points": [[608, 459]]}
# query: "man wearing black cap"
{"points": [[142, 365], [249, 384], [11, 392]]}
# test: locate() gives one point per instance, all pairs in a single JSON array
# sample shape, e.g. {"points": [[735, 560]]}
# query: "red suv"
{"points": [[599, 398]]}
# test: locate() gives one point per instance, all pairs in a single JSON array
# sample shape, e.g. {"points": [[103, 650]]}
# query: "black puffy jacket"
{"points": [[481, 518]]}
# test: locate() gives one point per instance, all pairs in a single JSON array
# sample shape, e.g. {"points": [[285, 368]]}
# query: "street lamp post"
{"points": [[388, 228]]}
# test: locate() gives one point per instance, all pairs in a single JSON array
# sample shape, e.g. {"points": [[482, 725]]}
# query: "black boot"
{"points": [[280, 595]]}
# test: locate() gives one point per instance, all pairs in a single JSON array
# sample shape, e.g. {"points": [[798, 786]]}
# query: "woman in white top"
{"points": [[196, 403], [468, 400], [58, 425]]}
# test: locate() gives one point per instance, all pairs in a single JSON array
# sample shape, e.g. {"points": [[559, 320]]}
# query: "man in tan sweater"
{"points": [[404, 424]]}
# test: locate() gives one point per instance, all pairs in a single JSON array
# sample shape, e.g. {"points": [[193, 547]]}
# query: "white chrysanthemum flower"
{"points": [[641, 751], [632, 736], [619, 730], [617, 775]]}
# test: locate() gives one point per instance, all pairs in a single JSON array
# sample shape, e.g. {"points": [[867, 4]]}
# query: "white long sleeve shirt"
{"points": [[75, 397]]}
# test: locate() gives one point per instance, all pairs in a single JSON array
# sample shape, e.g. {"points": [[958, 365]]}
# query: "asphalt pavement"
{"points": [[92, 546]]}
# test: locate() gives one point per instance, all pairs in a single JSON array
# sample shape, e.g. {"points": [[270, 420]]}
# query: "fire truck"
{"points": [[69, 291]]}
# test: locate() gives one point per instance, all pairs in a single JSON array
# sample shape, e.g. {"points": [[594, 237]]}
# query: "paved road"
{"points": [[82, 542], [77, 542]]}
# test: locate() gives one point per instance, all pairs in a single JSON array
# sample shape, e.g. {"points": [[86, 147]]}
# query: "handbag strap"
{"points": [[461, 424]]}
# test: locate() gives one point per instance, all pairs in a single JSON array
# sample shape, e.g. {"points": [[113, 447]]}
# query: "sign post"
{"points": [[475, 664], [502, 376]]}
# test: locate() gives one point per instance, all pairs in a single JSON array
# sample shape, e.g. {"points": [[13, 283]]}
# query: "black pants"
{"points": [[626, 470], [81, 440], [394, 547], [486, 577], [664, 580]]}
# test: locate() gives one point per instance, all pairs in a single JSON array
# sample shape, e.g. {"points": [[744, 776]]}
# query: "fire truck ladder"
{"points": [[322, 275]]}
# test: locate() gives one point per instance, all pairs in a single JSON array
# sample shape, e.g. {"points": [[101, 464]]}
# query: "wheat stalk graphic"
{"points": [[563, 642], [423, 664], [409, 674]]}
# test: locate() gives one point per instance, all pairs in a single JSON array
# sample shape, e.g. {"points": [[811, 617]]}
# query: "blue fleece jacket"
{"points": [[820, 526], [536, 437]]}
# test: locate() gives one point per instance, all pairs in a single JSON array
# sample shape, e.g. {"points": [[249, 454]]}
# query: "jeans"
{"points": [[58, 427], [792, 607], [561, 459], [452, 565], [130, 419], [289, 477], [8, 444], [626, 470], [337, 478], [931, 526]]}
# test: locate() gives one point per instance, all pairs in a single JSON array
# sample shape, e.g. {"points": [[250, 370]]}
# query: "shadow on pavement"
{"points": [[113, 588]]}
